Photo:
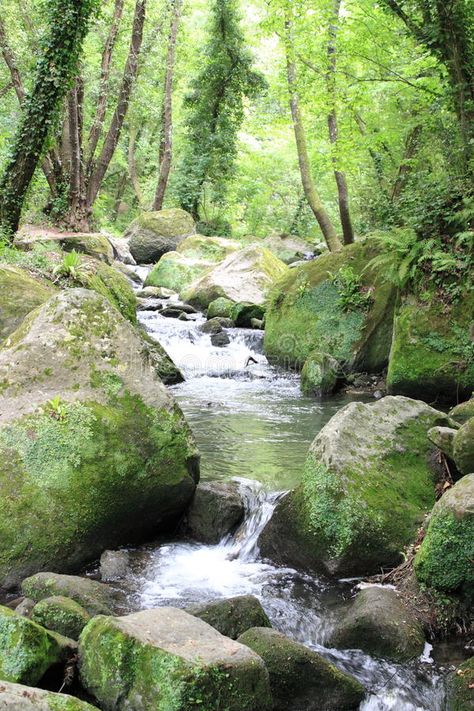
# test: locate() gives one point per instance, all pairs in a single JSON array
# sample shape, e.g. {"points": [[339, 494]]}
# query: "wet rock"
{"points": [[217, 508], [463, 447], [378, 622], [216, 324], [95, 597], [220, 307], [300, 679], [62, 615], [319, 375], [155, 292], [17, 697], [149, 305], [153, 234], [460, 687], [441, 561], [219, 340], [164, 367], [232, 616], [463, 412], [243, 313], [257, 323], [27, 650], [166, 658], [122, 251], [114, 565], [127, 271]]}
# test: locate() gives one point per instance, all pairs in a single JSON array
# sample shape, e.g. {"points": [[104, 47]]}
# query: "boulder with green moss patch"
{"points": [[220, 307], [463, 447], [164, 367], [93, 244], [301, 679], [444, 560], [379, 623], [177, 271], [112, 284], [320, 374], [17, 697], [208, 249], [463, 412], [246, 275], [243, 314], [332, 305], [432, 354], [232, 616], [168, 660], [20, 293], [460, 687], [153, 234], [367, 484], [96, 598], [27, 650], [288, 248], [62, 615], [88, 435]]}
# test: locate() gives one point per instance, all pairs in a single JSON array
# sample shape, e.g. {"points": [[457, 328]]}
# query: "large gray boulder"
{"points": [[88, 434], [166, 659], [16, 697], [215, 511], [95, 597], [232, 616], [153, 234], [20, 293], [366, 487]]}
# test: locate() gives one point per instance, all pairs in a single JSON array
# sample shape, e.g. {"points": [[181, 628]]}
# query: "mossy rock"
{"points": [[61, 614], [17, 697], [164, 367], [432, 354], [287, 247], [153, 234], [243, 313], [444, 560], [88, 433], [301, 679], [20, 293], [463, 447], [307, 313], [112, 284], [95, 245], [232, 616], [168, 660], [244, 276], [377, 622], [208, 249], [320, 374], [27, 650], [460, 687], [216, 509], [96, 598], [220, 307], [367, 485], [463, 412], [177, 271]]}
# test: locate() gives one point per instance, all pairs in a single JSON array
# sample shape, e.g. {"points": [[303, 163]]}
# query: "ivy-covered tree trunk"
{"points": [[55, 69]]}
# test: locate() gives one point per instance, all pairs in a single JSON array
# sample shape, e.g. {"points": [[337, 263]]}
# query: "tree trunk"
{"points": [[78, 214], [68, 25], [100, 167], [411, 148], [121, 185], [340, 176], [132, 164], [312, 196], [166, 143]]}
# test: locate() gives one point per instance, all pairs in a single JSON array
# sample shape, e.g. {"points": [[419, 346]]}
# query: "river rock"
{"points": [[220, 307], [112, 284], [463, 412], [114, 565], [232, 616], [210, 249], [443, 437], [219, 340], [164, 367], [62, 615], [25, 608], [377, 622], [88, 433], [122, 251], [177, 271], [443, 559], [460, 687], [149, 305], [463, 447], [166, 658], [300, 679], [309, 311], [17, 697], [155, 292], [246, 275], [95, 597], [20, 293], [93, 244], [217, 508], [366, 487], [430, 355], [320, 374], [27, 650], [216, 324], [243, 313], [153, 234]]}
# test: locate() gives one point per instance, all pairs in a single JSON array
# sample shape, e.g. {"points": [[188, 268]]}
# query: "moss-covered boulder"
{"points": [[93, 244], [220, 307], [88, 434], [27, 650], [153, 234], [288, 248], [217, 508], [463, 447], [243, 314], [177, 271], [246, 275], [62, 615], [112, 284], [20, 293], [332, 305], [443, 439], [432, 355], [367, 484], [96, 598], [208, 249], [444, 560], [232, 616], [164, 367], [320, 374], [378, 622], [168, 660], [463, 412], [460, 687], [17, 697], [300, 679]]}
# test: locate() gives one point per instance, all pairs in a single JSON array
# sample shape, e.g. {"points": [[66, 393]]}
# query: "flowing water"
{"points": [[252, 424]]}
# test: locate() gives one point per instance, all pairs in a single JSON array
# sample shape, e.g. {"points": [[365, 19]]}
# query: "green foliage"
{"points": [[353, 294], [70, 267]]}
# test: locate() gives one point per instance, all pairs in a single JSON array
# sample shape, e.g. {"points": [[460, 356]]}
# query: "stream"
{"points": [[253, 424]]}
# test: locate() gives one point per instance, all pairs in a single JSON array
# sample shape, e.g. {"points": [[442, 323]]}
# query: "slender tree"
{"points": [[68, 23]]}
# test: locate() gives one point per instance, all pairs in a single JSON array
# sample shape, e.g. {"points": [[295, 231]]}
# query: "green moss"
{"points": [[61, 614], [461, 687], [213, 249], [319, 375], [112, 284], [20, 293], [220, 307], [176, 271]]}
